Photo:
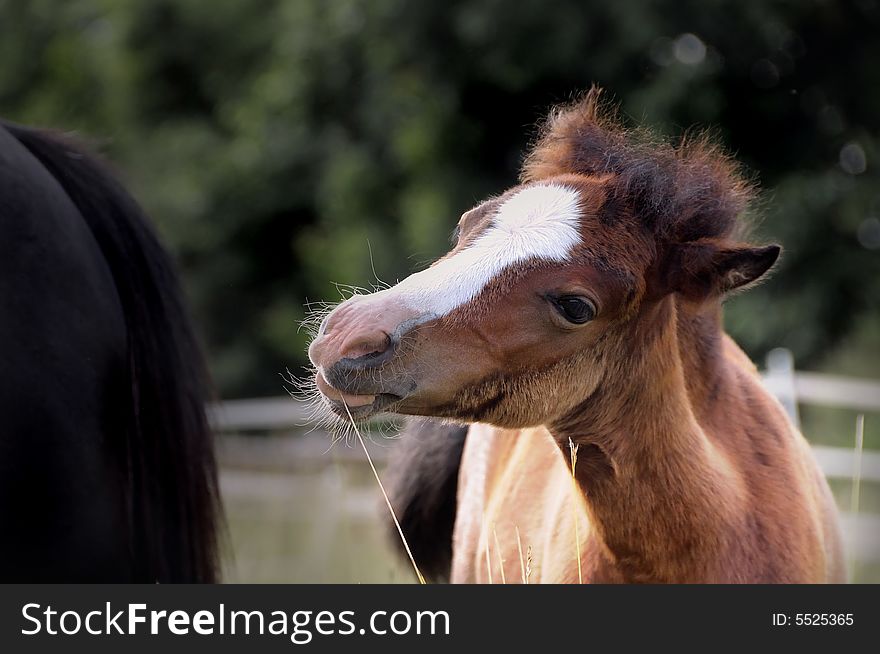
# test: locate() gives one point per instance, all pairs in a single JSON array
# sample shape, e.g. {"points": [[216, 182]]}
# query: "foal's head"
{"points": [[547, 284]]}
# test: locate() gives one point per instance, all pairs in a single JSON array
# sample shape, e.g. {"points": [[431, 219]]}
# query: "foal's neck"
{"points": [[655, 485]]}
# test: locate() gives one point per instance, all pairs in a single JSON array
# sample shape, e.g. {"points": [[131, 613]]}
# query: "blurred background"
{"points": [[285, 146]]}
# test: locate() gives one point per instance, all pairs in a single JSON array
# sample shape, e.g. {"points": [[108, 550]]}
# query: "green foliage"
{"points": [[284, 146]]}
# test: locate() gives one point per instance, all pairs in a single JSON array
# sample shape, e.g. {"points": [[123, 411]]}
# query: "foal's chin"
{"points": [[380, 404], [358, 406]]}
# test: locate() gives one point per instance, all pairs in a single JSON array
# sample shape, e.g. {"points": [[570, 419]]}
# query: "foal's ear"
{"points": [[701, 269]]}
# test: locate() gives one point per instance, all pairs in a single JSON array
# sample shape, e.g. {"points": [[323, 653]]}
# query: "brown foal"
{"points": [[580, 313]]}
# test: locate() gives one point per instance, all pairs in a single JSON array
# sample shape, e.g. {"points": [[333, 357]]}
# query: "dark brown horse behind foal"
{"points": [[581, 310]]}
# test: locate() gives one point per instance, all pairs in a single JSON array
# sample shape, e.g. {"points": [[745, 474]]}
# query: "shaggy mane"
{"points": [[682, 192]]}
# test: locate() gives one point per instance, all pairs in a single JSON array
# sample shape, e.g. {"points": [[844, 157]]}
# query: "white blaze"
{"points": [[539, 222]]}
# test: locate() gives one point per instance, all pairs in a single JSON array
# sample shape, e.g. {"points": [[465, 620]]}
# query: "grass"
{"points": [[319, 526], [856, 484], [574, 508], [500, 557], [384, 495], [834, 426], [522, 561]]}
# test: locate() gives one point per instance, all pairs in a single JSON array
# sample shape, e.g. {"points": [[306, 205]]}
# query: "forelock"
{"points": [[681, 192]]}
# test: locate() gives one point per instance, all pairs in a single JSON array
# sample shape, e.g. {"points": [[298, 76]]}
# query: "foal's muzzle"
{"points": [[353, 350]]}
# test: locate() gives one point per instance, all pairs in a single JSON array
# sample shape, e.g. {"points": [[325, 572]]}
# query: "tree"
{"points": [[284, 146]]}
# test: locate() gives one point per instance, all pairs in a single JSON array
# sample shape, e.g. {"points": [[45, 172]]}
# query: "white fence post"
{"points": [[780, 376]]}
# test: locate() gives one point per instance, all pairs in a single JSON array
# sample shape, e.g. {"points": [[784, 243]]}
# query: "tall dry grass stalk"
{"points": [[498, 551], [528, 563], [574, 509], [385, 495], [855, 488], [488, 559], [522, 561]]}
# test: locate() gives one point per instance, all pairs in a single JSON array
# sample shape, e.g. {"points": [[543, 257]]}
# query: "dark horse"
{"points": [[106, 460]]}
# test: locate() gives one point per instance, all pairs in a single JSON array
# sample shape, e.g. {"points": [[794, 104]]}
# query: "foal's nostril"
{"points": [[367, 350], [323, 328]]}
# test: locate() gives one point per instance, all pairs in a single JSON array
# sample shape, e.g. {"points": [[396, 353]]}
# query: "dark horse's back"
{"points": [[106, 459]]}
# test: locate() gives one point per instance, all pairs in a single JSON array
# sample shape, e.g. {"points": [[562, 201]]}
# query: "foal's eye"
{"points": [[575, 309]]}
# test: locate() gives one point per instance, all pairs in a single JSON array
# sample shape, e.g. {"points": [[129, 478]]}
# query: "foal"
{"points": [[617, 434]]}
